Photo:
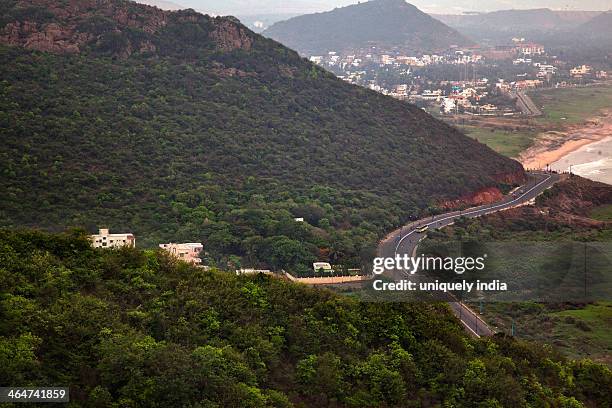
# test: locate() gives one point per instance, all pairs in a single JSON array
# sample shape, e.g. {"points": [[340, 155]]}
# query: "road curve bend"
{"points": [[406, 239]]}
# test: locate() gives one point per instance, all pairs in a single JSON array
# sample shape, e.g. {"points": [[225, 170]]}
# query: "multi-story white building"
{"points": [[531, 49], [546, 70], [581, 71], [189, 252], [107, 240], [429, 95]]}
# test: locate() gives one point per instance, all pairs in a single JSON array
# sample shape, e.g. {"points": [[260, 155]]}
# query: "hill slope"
{"points": [[178, 126], [598, 27], [127, 328], [387, 24]]}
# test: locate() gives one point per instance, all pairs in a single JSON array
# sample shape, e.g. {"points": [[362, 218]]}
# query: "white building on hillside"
{"points": [[107, 240], [322, 266], [189, 252]]}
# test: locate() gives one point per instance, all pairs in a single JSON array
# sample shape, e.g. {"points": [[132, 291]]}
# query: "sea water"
{"points": [[593, 161]]}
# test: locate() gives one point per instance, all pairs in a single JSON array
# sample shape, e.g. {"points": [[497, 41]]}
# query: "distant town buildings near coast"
{"points": [[472, 80]]}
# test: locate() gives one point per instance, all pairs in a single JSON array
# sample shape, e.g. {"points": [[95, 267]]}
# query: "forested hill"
{"points": [[385, 24], [178, 126], [137, 329]]}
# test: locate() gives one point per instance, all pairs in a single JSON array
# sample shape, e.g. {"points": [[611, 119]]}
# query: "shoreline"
{"points": [[548, 157], [593, 161], [553, 146]]}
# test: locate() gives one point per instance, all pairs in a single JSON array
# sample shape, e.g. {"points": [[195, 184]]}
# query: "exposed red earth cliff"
{"points": [[485, 196]]}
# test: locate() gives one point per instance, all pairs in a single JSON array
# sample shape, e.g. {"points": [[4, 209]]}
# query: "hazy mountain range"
{"points": [[551, 27], [599, 28], [247, 7], [479, 23], [519, 20]]}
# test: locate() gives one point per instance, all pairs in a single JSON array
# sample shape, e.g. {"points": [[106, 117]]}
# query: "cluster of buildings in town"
{"points": [[472, 80], [353, 62]]}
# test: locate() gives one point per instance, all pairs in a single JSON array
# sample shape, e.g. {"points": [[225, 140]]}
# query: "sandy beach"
{"points": [[593, 161], [552, 146]]}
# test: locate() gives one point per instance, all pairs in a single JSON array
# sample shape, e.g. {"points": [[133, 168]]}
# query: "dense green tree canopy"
{"points": [[133, 328]]}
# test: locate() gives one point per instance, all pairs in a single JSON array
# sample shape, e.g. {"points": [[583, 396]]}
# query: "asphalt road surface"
{"points": [[405, 240]]}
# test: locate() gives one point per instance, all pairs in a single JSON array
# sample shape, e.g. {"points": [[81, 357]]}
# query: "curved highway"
{"points": [[406, 239]]}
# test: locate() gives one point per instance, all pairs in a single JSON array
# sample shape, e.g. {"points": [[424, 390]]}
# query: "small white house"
{"points": [[107, 240], [325, 266]]}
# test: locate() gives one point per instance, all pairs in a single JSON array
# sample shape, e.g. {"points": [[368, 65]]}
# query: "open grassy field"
{"points": [[508, 143], [561, 107], [570, 106], [586, 332], [582, 332], [603, 213]]}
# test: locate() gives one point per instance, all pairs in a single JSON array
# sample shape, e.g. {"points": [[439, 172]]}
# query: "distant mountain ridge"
{"points": [[517, 22], [390, 24], [599, 27]]}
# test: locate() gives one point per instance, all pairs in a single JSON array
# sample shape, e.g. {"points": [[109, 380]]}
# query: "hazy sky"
{"points": [[243, 7]]}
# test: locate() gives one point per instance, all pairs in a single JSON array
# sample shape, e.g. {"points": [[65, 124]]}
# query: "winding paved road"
{"points": [[526, 104], [406, 239]]}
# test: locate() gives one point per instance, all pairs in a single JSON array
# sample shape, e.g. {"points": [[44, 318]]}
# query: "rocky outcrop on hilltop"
{"points": [[229, 36], [49, 38], [116, 27], [78, 24]]}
